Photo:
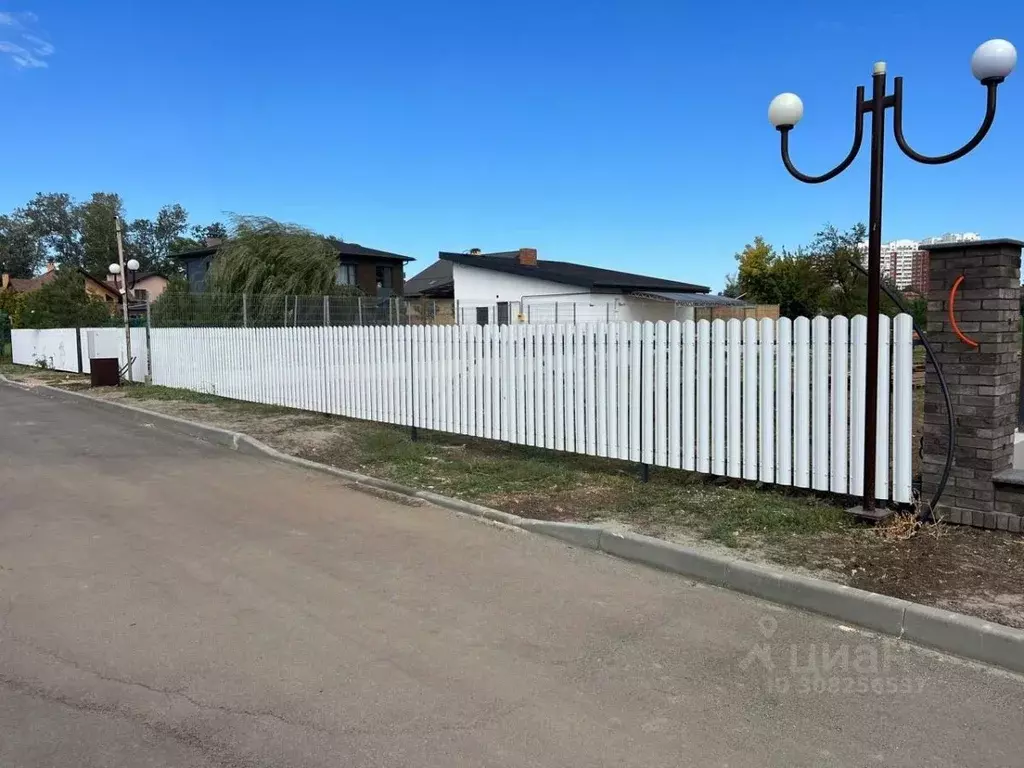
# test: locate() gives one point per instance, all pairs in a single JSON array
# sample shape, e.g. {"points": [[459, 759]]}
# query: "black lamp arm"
{"points": [[858, 137], [897, 125]]}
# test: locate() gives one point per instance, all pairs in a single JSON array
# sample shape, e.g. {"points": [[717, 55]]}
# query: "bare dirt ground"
{"points": [[963, 569]]}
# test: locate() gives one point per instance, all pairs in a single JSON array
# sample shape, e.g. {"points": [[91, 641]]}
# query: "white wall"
{"points": [[536, 299], [57, 348], [544, 301], [54, 348]]}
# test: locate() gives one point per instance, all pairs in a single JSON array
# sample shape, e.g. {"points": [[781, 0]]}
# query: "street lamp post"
{"points": [[991, 63], [116, 269]]}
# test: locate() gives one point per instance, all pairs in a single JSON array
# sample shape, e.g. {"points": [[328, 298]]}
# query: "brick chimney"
{"points": [[213, 242], [50, 266], [527, 257]]}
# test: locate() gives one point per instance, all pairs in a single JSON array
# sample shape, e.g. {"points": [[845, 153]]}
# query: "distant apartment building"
{"points": [[905, 263]]}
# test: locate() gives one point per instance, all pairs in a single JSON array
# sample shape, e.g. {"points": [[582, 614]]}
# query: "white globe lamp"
{"points": [[133, 265], [994, 60], [785, 110]]}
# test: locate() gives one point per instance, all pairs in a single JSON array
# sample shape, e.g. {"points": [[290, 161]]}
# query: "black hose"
{"points": [[925, 513]]}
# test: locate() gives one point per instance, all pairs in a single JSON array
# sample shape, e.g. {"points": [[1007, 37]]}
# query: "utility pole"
{"points": [[124, 297]]}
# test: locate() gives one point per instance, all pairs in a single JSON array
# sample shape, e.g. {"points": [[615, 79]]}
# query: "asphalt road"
{"points": [[168, 603]]}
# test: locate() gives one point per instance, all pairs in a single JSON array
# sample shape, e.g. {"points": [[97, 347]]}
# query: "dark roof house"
{"points": [[375, 272], [437, 280]]}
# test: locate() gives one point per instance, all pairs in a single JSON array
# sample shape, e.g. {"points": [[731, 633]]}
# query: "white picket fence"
{"points": [[778, 401], [57, 348]]}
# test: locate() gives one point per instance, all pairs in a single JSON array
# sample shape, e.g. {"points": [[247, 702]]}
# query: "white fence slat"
{"points": [[379, 374], [530, 378], [601, 386], [784, 402], [550, 356], [507, 383], [519, 394], [431, 401], [902, 408], [569, 385], [538, 385], [882, 428], [344, 371], [820, 403], [750, 375], [673, 413], [398, 373], [451, 382], [660, 414], [569, 394], [611, 401], [590, 374], [647, 409], [733, 416], [476, 353], [802, 403], [558, 361], [688, 351], [467, 387], [635, 395], [393, 349], [386, 371], [703, 396], [718, 397], [622, 432], [578, 395], [766, 422], [484, 398], [840, 349]]}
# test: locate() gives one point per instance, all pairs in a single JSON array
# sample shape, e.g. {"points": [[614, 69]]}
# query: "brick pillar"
{"points": [[984, 381]]}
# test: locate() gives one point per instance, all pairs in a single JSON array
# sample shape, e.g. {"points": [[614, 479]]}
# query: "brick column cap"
{"points": [[968, 244]]}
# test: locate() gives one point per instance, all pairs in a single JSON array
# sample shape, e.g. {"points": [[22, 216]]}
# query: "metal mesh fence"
{"points": [[207, 310]]}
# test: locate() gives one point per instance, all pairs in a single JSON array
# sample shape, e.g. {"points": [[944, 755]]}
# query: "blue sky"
{"points": [[621, 134]]}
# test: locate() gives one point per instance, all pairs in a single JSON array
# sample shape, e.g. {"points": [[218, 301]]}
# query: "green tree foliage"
{"points": [[56, 224], [20, 251], [53, 226], [263, 256], [63, 303], [820, 278]]}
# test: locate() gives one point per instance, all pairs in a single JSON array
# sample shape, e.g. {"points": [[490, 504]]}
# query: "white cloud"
{"points": [[21, 56], [23, 46], [42, 47]]}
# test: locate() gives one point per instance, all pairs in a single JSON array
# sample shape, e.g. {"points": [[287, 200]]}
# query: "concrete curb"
{"points": [[946, 631]]}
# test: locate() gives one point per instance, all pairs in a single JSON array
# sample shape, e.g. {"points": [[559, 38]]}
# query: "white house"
{"points": [[516, 286]]}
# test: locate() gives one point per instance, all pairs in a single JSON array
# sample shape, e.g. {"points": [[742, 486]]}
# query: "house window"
{"points": [[481, 315], [346, 274], [502, 313], [383, 276], [141, 294]]}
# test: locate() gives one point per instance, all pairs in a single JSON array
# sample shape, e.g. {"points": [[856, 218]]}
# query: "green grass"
{"points": [[153, 392], [536, 482]]}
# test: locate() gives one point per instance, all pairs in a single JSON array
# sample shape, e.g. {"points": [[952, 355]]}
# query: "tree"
{"points": [[756, 261], [21, 253], [56, 223], [99, 238], [834, 253], [63, 303], [263, 256]]}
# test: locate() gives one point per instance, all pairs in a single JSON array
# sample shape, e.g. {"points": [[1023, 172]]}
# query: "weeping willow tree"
{"points": [[266, 257]]}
